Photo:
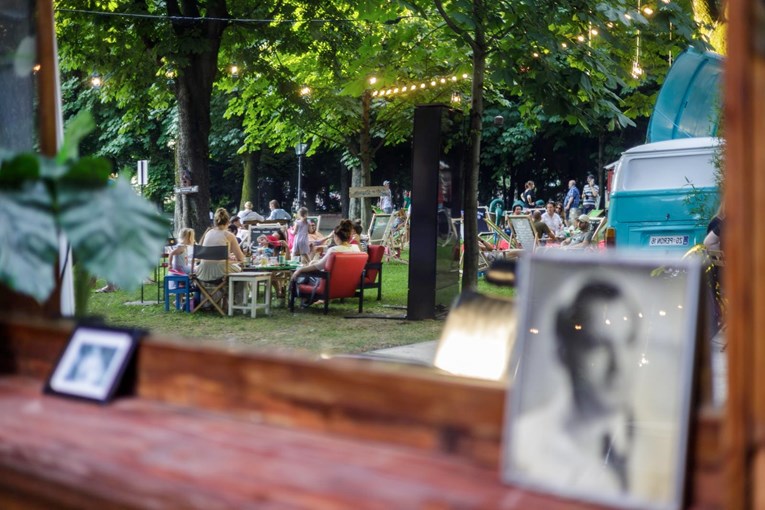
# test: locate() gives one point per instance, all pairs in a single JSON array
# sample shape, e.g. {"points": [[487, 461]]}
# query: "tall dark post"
{"points": [[434, 256]]}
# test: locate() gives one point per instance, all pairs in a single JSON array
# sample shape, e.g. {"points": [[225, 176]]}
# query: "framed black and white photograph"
{"points": [[93, 363], [598, 408]]}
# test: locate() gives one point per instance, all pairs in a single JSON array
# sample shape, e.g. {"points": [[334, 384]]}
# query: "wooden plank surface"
{"points": [[228, 395], [141, 454]]}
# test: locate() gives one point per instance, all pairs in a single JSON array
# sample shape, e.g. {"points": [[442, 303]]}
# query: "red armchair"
{"points": [[373, 269], [342, 277]]}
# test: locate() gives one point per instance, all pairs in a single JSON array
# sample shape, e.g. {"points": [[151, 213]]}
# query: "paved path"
{"points": [[421, 353]]}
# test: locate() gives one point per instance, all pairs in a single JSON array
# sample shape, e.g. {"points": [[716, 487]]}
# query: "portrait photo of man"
{"points": [[599, 404]]}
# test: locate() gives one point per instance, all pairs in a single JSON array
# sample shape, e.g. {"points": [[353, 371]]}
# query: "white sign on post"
{"points": [[143, 172]]}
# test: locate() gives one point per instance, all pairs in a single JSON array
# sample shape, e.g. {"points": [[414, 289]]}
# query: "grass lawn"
{"points": [[307, 330]]}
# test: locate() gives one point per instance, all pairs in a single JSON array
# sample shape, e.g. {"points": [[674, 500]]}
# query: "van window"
{"points": [[666, 172]]}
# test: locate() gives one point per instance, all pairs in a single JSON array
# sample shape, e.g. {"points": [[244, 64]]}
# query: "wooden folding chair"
{"points": [[211, 291]]}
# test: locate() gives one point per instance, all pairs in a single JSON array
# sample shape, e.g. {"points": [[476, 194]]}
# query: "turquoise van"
{"points": [[659, 193]]}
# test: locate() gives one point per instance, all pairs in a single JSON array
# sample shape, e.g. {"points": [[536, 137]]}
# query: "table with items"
{"points": [[280, 276]]}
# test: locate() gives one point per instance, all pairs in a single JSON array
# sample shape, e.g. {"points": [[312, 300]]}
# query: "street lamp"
{"points": [[300, 149]]}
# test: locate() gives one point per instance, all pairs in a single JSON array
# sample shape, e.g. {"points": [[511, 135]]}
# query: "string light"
{"points": [[433, 82], [647, 11], [305, 91]]}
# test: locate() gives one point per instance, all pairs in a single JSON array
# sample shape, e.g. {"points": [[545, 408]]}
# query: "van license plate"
{"points": [[668, 241]]}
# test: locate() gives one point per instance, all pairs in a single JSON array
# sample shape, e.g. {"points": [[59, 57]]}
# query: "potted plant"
{"points": [[113, 233]]}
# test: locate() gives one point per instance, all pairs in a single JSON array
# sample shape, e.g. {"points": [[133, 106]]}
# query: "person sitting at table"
{"points": [[342, 238], [248, 214], [264, 247], [236, 228], [277, 213], [210, 270], [180, 257], [278, 242]]}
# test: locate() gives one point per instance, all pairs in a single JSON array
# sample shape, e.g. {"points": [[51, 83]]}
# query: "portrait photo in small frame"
{"points": [[93, 363], [599, 404]]}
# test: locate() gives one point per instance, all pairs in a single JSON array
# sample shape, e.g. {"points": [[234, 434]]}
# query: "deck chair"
{"points": [[342, 277], [599, 230], [215, 291], [524, 232]]}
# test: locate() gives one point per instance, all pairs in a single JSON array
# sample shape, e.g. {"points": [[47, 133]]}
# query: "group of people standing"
{"points": [[574, 204]]}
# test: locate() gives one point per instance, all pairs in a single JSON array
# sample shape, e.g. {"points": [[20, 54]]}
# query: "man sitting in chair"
{"points": [[582, 237]]}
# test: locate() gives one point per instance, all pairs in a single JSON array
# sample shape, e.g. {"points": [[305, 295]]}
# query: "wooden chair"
{"points": [[373, 269], [342, 278], [211, 291]]}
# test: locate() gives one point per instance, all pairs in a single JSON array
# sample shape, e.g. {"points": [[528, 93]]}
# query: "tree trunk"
{"points": [[470, 260], [344, 201], [193, 91], [362, 175], [250, 180]]}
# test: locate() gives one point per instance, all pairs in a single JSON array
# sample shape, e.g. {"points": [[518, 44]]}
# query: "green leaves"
{"points": [[77, 129], [113, 232], [28, 240], [17, 170]]}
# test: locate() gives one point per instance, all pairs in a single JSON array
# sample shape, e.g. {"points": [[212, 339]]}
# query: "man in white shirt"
{"points": [[386, 199], [553, 220]]}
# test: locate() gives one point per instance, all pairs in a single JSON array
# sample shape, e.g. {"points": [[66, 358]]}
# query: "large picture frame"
{"points": [[93, 363], [604, 361]]}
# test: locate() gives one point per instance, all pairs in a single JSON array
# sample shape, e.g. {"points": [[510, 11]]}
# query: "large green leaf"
{"points": [[88, 172], [28, 240], [76, 129], [15, 171], [115, 233]]}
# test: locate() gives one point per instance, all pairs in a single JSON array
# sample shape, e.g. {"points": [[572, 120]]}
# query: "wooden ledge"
{"points": [[141, 454]]}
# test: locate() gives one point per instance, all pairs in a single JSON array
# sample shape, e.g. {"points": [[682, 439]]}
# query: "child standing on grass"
{"points": [[301, 246]]}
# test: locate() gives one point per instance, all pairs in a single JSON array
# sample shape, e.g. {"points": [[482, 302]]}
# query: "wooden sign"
{"points": [[365, 191], [184, 190]]}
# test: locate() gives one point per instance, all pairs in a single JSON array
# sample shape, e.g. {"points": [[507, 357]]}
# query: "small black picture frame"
{"points": [[93, 363]]}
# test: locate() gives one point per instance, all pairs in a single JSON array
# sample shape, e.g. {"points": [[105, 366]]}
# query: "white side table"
{"points": [[250, 292]]}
